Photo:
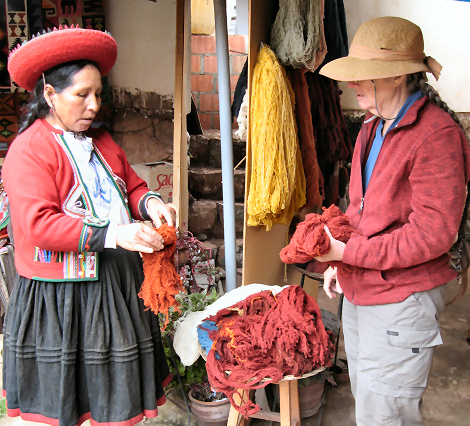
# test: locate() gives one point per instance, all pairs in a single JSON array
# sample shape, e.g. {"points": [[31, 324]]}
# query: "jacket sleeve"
{"points": [[31, 175], [438, 181]]}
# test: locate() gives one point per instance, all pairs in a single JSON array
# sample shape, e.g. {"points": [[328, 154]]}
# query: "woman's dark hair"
{"points": [[419, 81], [60, 77]]}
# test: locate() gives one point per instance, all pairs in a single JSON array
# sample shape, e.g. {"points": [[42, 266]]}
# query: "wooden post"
{"points": [[180, 142], [294, 402]]}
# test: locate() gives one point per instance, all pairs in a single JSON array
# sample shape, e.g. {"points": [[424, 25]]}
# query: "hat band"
{"points": [[366, 52]]}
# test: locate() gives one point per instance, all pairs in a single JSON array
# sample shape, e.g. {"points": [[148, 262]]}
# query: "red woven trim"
{"points": [[167, 381], [38, 418]]}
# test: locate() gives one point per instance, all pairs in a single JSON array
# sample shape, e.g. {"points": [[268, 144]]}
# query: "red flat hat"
{"points": [[28, 61]]}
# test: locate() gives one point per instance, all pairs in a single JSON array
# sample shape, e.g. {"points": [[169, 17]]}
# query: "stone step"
{"points": [[206, 217], [205, 150], [238, 254], [206, 182]]}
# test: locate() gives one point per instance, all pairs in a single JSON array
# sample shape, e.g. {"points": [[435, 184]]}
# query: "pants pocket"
{"points": [[408, 357]]}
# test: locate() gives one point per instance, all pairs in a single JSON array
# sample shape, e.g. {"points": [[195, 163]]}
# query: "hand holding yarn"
{"points": [[331, 284], [336, 249], [158, 210], [138, 237]]}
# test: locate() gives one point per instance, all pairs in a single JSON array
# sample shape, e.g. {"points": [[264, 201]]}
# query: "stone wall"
{"points": [[142, 124]]}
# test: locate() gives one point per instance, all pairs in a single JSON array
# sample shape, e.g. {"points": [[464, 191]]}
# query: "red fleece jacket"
{"points": [[411, 210]]}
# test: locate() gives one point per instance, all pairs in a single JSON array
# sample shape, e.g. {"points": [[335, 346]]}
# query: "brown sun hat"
{"points": [[383, 47]]}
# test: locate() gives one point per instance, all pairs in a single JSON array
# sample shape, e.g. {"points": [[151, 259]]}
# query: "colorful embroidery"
{"points": [[80, 265], [48, 256]]}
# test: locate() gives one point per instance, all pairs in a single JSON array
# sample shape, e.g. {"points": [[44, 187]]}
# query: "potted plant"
{"points": [[210, 408], [194, 263], [311, 393]]}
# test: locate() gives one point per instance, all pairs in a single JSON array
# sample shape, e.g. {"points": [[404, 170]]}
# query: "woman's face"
{"points": [[364, 93], [389, 94], [76, 106]]}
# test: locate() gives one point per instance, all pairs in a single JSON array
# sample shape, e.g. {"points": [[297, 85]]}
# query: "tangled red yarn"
{"points": [[264, 338], [161, 282], [310, 238]]}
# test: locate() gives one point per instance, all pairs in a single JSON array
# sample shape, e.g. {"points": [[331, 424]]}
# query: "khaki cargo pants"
{"points": [[389, 350]]}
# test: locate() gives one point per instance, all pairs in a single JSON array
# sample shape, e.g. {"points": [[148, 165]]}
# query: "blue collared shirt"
{"points": [[378, 140]]}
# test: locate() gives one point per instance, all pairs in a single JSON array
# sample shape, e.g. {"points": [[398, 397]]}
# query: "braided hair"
{"points": [[60, 77], [419, 81]]}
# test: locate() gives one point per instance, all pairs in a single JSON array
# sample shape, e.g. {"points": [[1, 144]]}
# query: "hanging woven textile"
{"points": [[265, 338], [297, 35], [277, 180]]}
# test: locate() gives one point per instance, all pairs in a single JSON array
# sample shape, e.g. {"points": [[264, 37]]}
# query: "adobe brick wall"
{"points": [[204, 85]]}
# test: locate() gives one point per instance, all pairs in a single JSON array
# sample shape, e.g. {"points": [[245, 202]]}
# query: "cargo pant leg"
{"points": [[394, 353], [351, 340]]}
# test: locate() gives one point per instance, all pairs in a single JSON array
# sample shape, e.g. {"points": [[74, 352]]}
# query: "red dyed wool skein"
{"points": [[161, 282], [264, 338], [310, 238]]}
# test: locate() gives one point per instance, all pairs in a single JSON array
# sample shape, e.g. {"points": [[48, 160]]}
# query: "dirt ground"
{"points": [[446, 401]]}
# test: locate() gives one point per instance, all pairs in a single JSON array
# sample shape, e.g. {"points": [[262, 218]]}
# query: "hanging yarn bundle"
{"points": [[162, 283], [307, 141], [277, 180], [310, 238], [264, 338], [297, 35]]}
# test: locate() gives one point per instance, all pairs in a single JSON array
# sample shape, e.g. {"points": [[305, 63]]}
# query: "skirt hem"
{"points": [[39, 418]]}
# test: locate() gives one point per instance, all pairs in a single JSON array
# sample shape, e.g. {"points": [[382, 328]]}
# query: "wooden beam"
{"points": [[180, 143]]}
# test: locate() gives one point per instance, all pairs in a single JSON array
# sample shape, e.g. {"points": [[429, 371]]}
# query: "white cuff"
{"points": [[111, 236], [149, 198]]}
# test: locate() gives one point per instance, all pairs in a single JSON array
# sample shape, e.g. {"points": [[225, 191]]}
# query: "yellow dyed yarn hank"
{"points": [[277, 181]]}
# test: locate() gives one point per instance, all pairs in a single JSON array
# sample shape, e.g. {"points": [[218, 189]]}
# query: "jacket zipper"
{"points": [[362, 206], [380, 153]]}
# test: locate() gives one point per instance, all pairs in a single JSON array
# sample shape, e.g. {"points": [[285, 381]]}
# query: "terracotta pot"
{"points": [[341, 372], [310, 398], [210, 413]]}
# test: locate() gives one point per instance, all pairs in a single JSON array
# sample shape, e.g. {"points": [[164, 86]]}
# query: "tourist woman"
{"points": [[410, 169]]}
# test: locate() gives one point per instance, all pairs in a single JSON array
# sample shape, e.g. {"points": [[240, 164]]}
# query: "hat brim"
{"points": [[355, 69], [40, 54]]}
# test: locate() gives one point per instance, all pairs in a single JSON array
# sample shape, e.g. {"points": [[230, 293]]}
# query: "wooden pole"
{"points": [[180, 142]]}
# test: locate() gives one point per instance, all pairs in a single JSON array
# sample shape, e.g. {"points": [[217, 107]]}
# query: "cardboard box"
{"points": [[159, 178]]}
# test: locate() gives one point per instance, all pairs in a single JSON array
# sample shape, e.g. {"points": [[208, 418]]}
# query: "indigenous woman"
{"points": [[409, 173], [78, 344]]}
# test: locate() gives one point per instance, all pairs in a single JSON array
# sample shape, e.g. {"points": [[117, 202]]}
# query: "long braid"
{"points": [[419, 81]]}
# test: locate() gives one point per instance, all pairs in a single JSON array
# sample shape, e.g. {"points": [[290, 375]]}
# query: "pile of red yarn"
{"points": [[310, 238], [265, 338], [162, 283]]}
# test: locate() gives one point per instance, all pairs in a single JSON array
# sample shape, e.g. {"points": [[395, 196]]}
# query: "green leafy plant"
{"points": [[3, 407], [189, 303], [193, 258]]}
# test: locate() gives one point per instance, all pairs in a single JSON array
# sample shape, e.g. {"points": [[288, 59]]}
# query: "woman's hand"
{"points": [[331, 284], [336, 250], [157, 210], [139, 237]]}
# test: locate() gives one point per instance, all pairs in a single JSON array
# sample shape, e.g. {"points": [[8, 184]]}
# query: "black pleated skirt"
{"points": [[74, 351]]}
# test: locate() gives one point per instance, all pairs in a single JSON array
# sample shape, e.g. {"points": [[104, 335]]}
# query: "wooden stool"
{"points": [[289, 404]]}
